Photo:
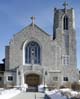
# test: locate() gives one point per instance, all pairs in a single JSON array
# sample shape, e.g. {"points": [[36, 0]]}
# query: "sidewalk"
{"points": [[29, 95]]}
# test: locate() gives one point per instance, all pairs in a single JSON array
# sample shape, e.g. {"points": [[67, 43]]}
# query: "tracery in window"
{"points": [[32, 53]]}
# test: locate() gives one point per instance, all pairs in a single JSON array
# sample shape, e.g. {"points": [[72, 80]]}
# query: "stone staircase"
{"points": [[32, 89]]}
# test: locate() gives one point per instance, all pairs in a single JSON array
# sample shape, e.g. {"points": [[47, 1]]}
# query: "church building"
{"points": [[35, 57]]}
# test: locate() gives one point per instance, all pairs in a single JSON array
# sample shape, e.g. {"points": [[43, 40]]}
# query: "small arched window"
{"points": [[65, 23], [32, 53]]}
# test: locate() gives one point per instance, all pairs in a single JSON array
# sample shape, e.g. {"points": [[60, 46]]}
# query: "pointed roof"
{"points": [[36, 26], [31, 26]]}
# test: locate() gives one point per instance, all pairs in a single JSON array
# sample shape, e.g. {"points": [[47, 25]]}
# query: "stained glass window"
{"points": [[32, 53]]}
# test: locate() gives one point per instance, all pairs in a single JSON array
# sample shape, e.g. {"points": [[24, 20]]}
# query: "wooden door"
{"points": [[32, 79]]}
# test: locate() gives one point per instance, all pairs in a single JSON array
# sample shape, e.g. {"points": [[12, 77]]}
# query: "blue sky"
{"points": [[15, 15]]}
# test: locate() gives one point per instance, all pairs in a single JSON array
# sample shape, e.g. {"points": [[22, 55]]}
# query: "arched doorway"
{"points": [[33, 80]]}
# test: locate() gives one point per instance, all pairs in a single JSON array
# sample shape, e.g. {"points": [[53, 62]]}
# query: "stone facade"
{"points": [[57, 54]]}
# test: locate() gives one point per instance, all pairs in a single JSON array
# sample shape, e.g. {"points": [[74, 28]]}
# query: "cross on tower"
{"points": [[33, 19], [65, 4]]}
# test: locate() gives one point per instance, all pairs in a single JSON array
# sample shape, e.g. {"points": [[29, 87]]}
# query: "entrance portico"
{"points": [[32, 79]]}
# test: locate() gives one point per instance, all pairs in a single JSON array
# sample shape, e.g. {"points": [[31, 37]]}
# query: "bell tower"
{"points": [[64, 32]]}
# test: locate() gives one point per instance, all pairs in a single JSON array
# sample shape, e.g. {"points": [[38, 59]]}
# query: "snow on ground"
{"points": [[59, 93], [53, 94], [9, 93], [56, 95], [62, 94]]}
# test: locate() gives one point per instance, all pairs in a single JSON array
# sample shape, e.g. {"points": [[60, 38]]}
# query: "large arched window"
{"points": [[65, 23], [32, 53]]}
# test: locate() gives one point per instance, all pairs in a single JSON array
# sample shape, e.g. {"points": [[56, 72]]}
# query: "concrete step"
{"points": [[32, 89]]}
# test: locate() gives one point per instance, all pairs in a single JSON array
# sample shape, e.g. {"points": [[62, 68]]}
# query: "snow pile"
{"points": [[7, 94], [42, 88], [54, 94], [24, 87], [70, 93], [62, 94]]}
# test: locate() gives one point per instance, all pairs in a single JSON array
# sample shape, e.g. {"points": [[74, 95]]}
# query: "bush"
{"points": [[75, 86], [61, 87]]}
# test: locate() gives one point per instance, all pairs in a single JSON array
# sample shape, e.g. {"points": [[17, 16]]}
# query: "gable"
{"points": [[30, 32]]}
